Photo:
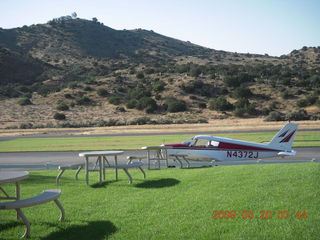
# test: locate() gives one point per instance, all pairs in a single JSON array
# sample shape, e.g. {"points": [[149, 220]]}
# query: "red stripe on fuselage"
{"points": [[222, 146], [231, 146]]}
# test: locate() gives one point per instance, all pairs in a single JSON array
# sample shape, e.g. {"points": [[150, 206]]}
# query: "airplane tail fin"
{"points": [[284, 138]]}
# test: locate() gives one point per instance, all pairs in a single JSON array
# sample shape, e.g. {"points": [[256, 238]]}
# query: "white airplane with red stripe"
{"points": [[208, 148]]}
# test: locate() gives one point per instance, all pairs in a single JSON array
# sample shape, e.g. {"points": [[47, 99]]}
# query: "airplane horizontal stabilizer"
{"points": [[291, 153]]}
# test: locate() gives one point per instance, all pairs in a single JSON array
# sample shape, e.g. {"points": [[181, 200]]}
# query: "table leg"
{"points": [[104, 160], [4, 192], [166, 156], [87, 170], [116, 162], [148, 157], [18, 195], [100, 169]]}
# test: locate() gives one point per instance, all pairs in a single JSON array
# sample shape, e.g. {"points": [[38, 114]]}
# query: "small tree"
{"points": [[63, 107], [59, 116], [174, 105], [24, 101], [220, 104], [275, 116], [115, 100], [102, 92]]}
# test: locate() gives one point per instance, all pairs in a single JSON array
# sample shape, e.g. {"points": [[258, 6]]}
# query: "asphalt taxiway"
{"points": [[58, 158]]}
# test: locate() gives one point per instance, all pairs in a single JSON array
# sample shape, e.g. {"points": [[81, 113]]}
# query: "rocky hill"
{"points": [[76, 72]]}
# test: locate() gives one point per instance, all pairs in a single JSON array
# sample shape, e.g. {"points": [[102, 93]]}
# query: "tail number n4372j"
{"points": [[242, 154]]}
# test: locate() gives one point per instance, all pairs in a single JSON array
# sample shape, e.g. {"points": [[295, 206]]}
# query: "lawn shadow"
{"points": [[103, 184], [92, 230], [8, 225], [161, 183]]}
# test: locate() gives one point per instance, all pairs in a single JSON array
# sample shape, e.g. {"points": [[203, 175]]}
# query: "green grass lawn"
{"points": [[175, 204], [303, 139]]}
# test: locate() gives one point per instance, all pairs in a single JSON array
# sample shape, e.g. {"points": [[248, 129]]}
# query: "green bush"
{"points": [[312, 99], [275, 116], [24, 101], [26, 125], [286, 95], [120, 109], [220, 104], [102, 92], [140, 121], [242, 92], [138, 93], [158, 87], [59, 116], [147, 104], [240, 112], [298, 115], [302, 103], [174, 105], [84, 100], [131, 103], [62, 107], [68, 96], [115, 100], [140, 75], [202, 105]]}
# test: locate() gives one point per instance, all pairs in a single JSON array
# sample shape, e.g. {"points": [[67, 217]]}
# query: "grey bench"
{"points": [[179, 158], [63, 168], [129, 164], [46, 196]]}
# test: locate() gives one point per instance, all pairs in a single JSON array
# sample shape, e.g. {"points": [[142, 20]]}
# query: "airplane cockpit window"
{"points": [[201, 143], [213, 144], [189, 142]]}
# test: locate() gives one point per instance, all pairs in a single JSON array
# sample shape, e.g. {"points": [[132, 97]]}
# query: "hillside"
{"points": [[93, 75]]}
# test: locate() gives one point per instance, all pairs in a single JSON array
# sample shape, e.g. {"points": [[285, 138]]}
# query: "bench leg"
{"points": [[25, 221], [184, 158], [61, 209], [4, 192], [127, 172], [78, 171], [181, 166], [59, 176], [143, 172]]}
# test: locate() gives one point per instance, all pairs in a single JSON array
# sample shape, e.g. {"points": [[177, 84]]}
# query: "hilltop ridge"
{"points": [[93, 74]]}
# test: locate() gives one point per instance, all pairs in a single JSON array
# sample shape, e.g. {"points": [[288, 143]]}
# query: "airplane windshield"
{"points": [[189, 142], [201, 143]]}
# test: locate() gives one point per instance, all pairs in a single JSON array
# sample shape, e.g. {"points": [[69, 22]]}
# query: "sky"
{"points": [[273, 27]]}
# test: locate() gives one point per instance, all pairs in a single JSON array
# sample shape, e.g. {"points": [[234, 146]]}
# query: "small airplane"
{"points": [[209, 148]]}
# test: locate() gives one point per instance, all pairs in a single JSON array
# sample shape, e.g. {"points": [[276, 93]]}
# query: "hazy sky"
{"points": [[274, 27]]}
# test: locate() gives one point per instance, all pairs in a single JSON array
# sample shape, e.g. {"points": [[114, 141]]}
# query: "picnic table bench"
{"points": [[64, 167], [179, 158], [130, 164], [46, 196]]}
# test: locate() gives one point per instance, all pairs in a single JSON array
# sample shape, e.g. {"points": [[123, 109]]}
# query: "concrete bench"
{"points": [[46, 196], [63, 168], [128, 165]]}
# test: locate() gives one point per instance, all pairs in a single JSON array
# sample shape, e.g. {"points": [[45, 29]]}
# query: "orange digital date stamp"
{"points": [[265, 214]]}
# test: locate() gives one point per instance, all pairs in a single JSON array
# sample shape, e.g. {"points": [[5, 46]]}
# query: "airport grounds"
{"points": [[274, 201]]}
